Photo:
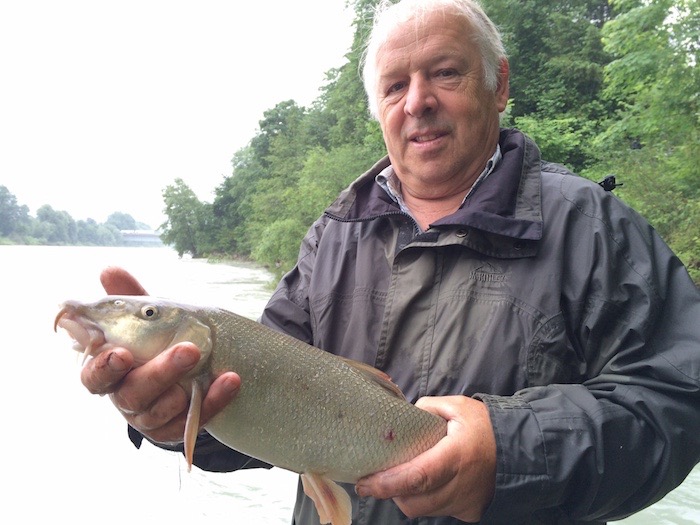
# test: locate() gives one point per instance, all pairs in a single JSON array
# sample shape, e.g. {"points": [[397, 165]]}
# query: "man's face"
{"points": [[440, 124]]}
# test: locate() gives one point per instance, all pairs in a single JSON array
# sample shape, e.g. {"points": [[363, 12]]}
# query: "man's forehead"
{"points": [[414, 50], [394, 62]]}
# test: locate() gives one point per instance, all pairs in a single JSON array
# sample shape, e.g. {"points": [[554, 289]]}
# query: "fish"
{"points": [[330, 419]]}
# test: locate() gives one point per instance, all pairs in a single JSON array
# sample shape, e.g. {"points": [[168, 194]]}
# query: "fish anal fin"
{"points": [[375, 376], [192, 423], [331, 500]]}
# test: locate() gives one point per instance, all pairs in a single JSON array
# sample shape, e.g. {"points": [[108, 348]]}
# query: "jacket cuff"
{"points": [[209, 453], [522, 481]]}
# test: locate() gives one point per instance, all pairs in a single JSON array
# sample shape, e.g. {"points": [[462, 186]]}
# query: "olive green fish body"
{"points": [[304, 409], [299, 408]]}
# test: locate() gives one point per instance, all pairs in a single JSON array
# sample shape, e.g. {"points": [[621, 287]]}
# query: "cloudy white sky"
{"points": [[104, 103]]}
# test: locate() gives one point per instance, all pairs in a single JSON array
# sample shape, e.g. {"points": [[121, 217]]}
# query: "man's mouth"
{"points": [[426, 138], [420, 137]]}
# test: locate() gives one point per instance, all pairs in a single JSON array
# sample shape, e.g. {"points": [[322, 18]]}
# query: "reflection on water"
{"points": [[67, 455]]}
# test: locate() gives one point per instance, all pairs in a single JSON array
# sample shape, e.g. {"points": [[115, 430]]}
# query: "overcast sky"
{"points": [[104, 103]]}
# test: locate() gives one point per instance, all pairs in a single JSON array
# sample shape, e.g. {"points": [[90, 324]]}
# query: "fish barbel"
{"points": [[299, 408]]}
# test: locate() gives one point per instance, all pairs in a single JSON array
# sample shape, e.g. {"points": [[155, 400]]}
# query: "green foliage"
{"points": [[654, 81], [565, 139], [555, 53], [12, 216], [274, 249], [122, 221], [55, 227], [185, 219], [93, 234], [604, 87], [686, 238]]}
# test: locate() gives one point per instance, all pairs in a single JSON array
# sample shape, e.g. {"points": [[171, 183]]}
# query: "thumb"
{"points": [[117, 281]]}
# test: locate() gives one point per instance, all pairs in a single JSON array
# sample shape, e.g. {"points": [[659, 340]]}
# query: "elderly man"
{"points": [[542, 318]]}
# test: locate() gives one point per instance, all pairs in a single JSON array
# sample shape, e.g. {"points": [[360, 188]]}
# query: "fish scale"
{"points": [[363, 432], [299, 408]]}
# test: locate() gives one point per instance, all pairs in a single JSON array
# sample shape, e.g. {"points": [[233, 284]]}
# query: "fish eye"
{"points": [[118, 302], [149, 312]]}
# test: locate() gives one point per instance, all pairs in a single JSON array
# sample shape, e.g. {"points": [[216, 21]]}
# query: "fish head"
{"points": [[144, 325]]}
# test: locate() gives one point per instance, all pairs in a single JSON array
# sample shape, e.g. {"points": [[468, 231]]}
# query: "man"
{"points": [[548, 323]]}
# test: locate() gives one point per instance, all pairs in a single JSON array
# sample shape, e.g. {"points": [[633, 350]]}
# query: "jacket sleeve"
{"points": [[209, 454], [630, 432]]}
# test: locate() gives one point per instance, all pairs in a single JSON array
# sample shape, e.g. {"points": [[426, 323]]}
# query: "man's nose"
{"points": [[420, 98]]}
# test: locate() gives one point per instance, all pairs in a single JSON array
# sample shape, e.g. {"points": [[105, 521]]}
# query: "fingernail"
{"points": [[185, 359], [116, 363], [361, 491], [231, 385]]}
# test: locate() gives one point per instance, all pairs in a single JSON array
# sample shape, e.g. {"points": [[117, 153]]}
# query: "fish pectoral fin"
{"points": [[375, 376], [331, 500], [192, 423]]}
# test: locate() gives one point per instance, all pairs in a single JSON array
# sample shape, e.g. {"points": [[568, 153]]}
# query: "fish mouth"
{"points": [[88, 337]]}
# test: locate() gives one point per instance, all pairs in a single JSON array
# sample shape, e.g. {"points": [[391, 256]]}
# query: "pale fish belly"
{"points": [[305, 410], [340, 438]]}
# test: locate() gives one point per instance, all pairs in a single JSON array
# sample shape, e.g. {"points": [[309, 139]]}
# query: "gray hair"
{"points": [[389, 15]]}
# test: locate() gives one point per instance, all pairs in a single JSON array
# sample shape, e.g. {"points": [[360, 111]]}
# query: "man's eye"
{"points": [[446, 73], [396, 87]]}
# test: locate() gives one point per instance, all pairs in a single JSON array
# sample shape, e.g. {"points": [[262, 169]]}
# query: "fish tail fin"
{"points": [[192, 422], [331, 500]]}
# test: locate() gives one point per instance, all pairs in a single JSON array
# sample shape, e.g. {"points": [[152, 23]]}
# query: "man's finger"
{"points": [[101, 374], [221, 392], [146, 383], [117, 281], [164, 421], [424, 473]]}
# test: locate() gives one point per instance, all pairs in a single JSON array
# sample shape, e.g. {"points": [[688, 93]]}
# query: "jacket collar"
{"points": [[507, 203]]}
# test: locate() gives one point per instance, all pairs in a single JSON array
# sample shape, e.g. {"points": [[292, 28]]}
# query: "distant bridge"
{"points": [[141, 238]]}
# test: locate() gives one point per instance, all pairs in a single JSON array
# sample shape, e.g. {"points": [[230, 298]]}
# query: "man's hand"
{"points": [[149, 397], [457, 477]]}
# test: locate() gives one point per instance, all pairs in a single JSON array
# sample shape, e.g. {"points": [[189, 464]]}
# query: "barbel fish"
{"points": [[299, 408]]}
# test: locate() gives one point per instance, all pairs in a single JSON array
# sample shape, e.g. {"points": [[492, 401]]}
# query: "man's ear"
{"points": [[503, 86]]}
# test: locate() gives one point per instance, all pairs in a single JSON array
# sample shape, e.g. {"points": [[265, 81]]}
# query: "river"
{"points": [[65, 452]]}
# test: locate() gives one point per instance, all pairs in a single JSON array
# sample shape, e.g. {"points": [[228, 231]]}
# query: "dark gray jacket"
{"points": [[545, 297]]}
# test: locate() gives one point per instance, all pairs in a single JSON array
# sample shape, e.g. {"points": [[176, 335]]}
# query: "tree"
{"points": [[556, 72], [555, 52], [59, 227], [93, 234], [122, 221], [588, 77], [286, 148], [184, 213], [231, 206], [654, 78], [12, 216], [652, 138]]}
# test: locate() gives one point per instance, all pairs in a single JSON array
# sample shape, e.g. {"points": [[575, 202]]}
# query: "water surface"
{"points": [[66, 453]]}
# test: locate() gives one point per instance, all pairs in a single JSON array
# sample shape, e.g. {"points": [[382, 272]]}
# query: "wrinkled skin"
{"points": [[454, 478], [149, 397], [440, 125], [428, 108], [450, 479]]}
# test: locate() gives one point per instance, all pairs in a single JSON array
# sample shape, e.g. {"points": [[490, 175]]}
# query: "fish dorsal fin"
{"points": [[332, 502], [375, 376]]}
